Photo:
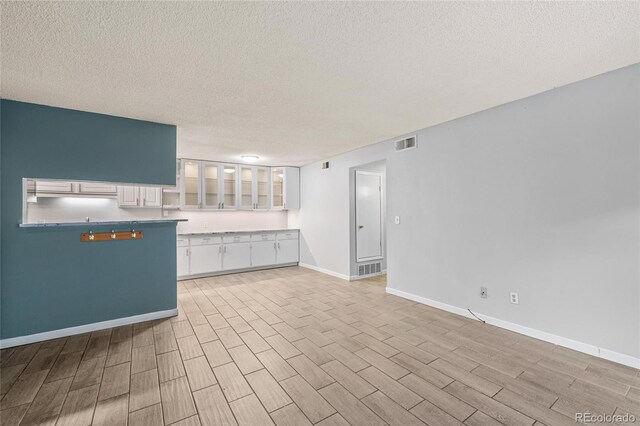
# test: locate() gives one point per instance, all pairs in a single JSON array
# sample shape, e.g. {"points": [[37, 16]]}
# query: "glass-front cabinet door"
{"points": [[229, 176], [246, 187], [191, 192], [262, 188], [211, 185], [277, 188]]}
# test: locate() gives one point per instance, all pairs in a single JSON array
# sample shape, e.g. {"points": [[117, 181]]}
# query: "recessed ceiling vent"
{"points": [[404, 144]]}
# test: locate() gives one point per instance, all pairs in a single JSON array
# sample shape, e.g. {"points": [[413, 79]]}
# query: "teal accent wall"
{"points": [[49, 279]]}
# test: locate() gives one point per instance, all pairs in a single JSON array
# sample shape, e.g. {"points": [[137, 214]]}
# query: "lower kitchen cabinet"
{"points": [[206, 255], [236, 256], [183, 257], [263, 253], [287, 251], [200, 255]]}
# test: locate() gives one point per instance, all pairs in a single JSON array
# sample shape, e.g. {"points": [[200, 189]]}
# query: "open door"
{"points": [[368, 216]]}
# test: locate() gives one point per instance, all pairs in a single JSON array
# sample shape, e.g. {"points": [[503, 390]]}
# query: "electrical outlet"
{"points": [[513, 297], [396, 220], [205, 224], [483, 292], [165, 213]]}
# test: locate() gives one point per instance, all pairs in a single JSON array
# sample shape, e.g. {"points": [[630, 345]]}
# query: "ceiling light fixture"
{"points": [[250, 158], [229, 170]]}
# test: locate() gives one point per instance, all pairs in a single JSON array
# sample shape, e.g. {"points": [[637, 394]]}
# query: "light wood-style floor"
{"points": [[296, 347]]}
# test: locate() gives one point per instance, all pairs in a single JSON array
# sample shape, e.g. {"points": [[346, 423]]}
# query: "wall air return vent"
{"points": [[369, 269], [404, 144]]}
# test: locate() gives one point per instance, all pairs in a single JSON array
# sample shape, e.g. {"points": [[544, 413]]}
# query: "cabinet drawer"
{"points": [[203, 241], [183, 242], [288, 235], [244, 238], [263, 237]]}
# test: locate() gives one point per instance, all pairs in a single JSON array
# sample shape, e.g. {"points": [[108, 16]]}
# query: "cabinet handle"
{"points": [[278, 246], [219, 249], [223, 205], [274, 245], [187, 252], [284, 205], [225, 249]]}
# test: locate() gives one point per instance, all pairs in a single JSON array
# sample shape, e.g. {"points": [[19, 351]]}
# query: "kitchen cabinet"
{"points": [[206, 255], [128, 196], [287, 247], [263, 249], [285, 188], [63, 188], [151, 196], [57, 187], [236, 252], [182, 252], [208, 185], [190, 185], [212, 254], [225, 186], [97, 188], [139, 196], [254, 187], [220, 182]]}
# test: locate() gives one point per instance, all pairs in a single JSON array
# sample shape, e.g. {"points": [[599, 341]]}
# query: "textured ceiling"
{"points": [[297, 82]]}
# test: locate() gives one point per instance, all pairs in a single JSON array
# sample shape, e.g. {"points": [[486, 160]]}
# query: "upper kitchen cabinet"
{"points": [[285, 188], [207, 185], [190, 184], [225, 186], [139, 196], [220, 183], [254, 187], [56, 188]]}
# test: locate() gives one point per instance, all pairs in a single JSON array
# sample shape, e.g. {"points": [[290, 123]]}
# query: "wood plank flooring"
{"points": [[295, 347]]}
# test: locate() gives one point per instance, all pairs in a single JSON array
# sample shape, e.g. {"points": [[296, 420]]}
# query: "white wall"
{"points": [[539, 196], [324, 210]]}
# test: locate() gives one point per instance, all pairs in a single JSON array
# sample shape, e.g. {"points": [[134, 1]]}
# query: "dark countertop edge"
{"points": [[250, 231], [113, 222]]}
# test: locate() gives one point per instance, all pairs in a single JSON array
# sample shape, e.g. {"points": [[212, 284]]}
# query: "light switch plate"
{"points": [[396, 220]]}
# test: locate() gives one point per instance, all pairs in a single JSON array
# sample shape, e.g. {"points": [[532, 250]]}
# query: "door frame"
{"points": [[382, 242]]}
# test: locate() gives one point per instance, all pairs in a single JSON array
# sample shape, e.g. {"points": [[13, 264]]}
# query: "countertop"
{"points": [[250, 231], [112, 222]]}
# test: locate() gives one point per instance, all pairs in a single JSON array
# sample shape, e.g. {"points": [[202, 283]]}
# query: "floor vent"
{"points": [[405, 144], [369, 269]]}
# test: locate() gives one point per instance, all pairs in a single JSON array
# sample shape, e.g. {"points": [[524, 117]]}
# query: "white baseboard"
{"points": [[86, 328], [586, 348], [325, 271]]}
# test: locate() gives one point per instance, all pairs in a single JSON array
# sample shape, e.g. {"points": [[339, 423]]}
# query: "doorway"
{"points": [[367, 220], [368, 216]]}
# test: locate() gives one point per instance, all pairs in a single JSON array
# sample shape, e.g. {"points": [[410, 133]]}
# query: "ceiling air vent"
{"points": [[407, 143], [325, 165]]}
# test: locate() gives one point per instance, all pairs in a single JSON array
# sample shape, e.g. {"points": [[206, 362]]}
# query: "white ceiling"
{"points": [[298, 82]]}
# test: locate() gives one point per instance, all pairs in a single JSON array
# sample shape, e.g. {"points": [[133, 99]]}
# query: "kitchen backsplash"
{"points": [[76, 209]]}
